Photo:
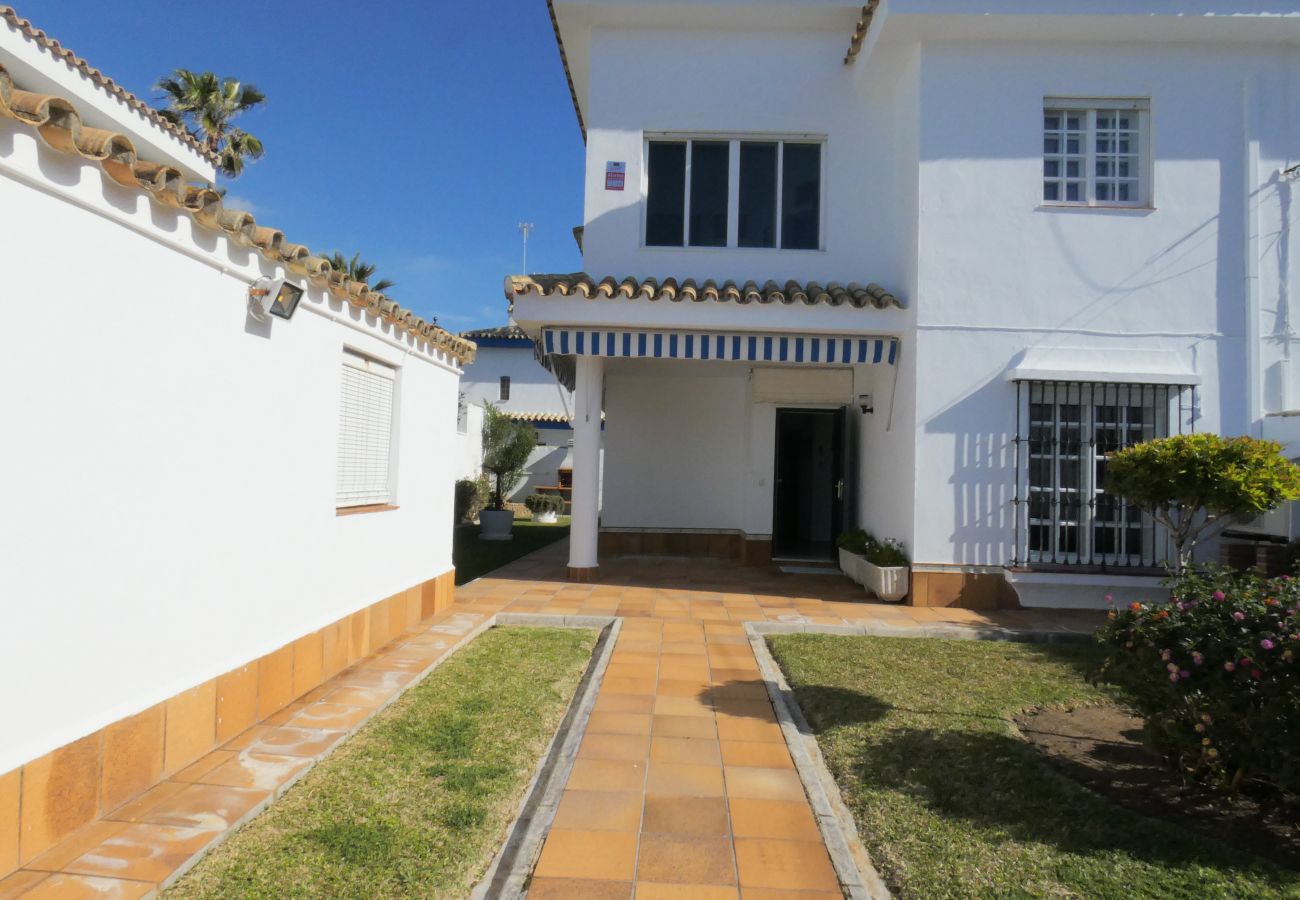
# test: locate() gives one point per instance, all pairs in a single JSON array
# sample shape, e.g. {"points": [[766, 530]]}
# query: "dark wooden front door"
{"points": [[810, 489]]}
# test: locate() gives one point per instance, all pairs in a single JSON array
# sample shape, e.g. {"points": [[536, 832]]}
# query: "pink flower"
{"points": [[1172, 667], [1239, 616], [1267, 644], [1109, 599], [1173, 676], [1183, 673], [1198, 657], [1219, 595], [1165, 654]]}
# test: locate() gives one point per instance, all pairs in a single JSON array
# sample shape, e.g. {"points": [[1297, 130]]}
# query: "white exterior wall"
{"points": [[169, 510], [532, 388]]}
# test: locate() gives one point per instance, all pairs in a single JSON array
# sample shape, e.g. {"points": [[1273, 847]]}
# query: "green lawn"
{"points": [[473, 557], [951, 803], [416, 803]]}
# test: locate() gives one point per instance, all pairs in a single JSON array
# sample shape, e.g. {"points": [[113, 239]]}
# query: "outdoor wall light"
{"points": [[273, 296], [864, 401]]}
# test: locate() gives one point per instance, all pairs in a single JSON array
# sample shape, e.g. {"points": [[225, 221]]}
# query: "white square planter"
{"points": [[887, 583]]}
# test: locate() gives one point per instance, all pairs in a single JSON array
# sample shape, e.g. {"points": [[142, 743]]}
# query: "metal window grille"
{"points": [[1065, 435], [365, 432]]}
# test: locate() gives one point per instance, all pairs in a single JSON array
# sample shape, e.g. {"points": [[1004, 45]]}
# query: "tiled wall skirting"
{"points": [[749, 549], [961, 588], [50, 797]]}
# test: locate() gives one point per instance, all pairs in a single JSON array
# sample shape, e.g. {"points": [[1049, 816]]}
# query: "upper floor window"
{"points": [[732, 192], [504, 388], [1095, 152]]}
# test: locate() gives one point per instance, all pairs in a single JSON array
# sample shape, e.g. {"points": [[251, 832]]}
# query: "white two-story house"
{"points": [[920, 266]]}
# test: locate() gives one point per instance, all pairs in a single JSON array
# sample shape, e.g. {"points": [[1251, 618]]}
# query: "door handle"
{"points": [[839, 489]]}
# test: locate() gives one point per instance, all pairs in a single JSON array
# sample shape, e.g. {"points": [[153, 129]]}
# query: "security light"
{"points": [[275, 296]]}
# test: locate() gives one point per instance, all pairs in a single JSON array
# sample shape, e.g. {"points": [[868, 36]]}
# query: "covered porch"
{"points": [[743, 423]]}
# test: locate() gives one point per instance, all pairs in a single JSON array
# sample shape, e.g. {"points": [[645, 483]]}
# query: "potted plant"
{"points": [[546, 508], [507, 445], [852, 548], [887, 569]]}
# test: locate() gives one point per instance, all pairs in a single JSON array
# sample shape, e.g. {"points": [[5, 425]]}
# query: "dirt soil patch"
{"points": [[1102, 747]]}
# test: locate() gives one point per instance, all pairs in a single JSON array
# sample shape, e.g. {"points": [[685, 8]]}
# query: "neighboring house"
{"points": [[206, 515], [920, 266], [506, 374]]}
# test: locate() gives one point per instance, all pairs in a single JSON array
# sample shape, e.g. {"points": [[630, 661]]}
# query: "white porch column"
{"points": [[584, 531]]}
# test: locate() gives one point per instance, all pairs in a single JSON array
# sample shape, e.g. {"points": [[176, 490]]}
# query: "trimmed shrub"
{"points": [[471, 496], [543, 503], [1215, 673]]}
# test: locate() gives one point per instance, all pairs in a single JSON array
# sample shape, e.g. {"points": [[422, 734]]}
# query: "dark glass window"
{"points": [[757, 225], [666, 194], [505, 387], [801, 196], [709, 172]]}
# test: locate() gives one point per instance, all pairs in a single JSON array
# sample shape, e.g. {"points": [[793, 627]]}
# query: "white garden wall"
{"points": [[169, 505]]}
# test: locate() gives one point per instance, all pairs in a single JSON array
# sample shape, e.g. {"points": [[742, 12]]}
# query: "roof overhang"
{"points": [[1107, 365]]}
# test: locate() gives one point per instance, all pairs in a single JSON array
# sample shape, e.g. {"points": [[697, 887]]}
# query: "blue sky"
{"points": [[419, 133]]}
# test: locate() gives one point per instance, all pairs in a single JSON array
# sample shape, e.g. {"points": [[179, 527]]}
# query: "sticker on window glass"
{"points": [[615, 175]]}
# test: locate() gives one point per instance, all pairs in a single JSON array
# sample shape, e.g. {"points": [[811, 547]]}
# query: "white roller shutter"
{"points": [[365, 432]]}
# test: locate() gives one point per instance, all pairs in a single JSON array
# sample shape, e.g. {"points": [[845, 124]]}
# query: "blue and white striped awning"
{"points": [[729, 346]]}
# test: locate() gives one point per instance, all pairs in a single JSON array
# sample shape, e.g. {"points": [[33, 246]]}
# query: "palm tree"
{"points": [[358, 270], [206, 105]]}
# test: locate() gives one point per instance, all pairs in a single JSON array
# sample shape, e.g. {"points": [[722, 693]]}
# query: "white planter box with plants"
{"points": [[546, 508], [506, 447], [879, 566]]}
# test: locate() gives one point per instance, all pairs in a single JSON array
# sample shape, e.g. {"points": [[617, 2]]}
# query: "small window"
{"points": [[1095, 152], [505, 388], [365, 448], [733, 193]]}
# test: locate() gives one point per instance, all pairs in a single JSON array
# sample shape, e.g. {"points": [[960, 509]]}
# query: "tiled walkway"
{"points": [[683, 786]]}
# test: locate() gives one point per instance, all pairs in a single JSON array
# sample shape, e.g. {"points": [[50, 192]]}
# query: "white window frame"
{"points": [[1089, 107], [734, 140], [380, 369]]}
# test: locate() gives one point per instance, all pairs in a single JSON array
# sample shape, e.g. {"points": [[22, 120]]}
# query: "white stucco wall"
{"points": [[532, 388], [169, 511]]}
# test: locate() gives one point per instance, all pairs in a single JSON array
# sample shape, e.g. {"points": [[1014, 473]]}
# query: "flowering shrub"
{"points": [[1216, 674], [888, 552]]}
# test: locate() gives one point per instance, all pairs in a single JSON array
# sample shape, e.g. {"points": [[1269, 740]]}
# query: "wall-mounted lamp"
{"points": [[273, 296], [864, 401]]}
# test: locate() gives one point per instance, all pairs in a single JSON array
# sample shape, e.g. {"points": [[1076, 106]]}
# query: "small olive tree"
{"points": [[1196, 485], [506, 447]]}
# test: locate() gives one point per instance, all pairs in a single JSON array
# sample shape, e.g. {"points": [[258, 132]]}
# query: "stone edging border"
{"points": [[858, 876]]}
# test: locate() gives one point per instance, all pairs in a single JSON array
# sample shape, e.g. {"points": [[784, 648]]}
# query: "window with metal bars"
{"points": [[1065, 435]]}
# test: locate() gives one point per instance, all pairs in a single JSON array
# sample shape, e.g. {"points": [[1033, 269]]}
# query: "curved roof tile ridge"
{"points": [[58, 124], [786, 293], [58, 51]]}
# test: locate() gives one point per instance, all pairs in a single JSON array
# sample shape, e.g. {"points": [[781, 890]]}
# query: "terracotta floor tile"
{"points": [[617, 685], [331, 716], [624, 703], [618, 723], [596, 855], [734, 729], [578, 889], [203, 765], [793, 865], [675, 859], [693, 651], [647, 891], [204, 806], [695, 751], [763, 784], [20, 882], [599, 810], [144, 851], [614, 746], [790, 820], [682, 706], [287, 741], [749, 689], [250, 769], [245, 739], [753, 893], [759, 709], [131, 812], [81, 887], [607, 775], [685, 815], [688, 687], [632, 669], [684, 780], [685, 726], [764, 755], [68, 849]]}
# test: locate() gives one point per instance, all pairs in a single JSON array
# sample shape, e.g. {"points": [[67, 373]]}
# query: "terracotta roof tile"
{"points": [[58, 51], [511, 332], [860, 30], [537, 416], [808, 293], [57, 122]]}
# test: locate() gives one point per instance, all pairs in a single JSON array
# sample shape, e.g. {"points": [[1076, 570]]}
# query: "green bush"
{"points": [[855, 540], [507, 444], [1196, 485], [888, 552], [1214, 671], [543, 503], [471, 496]]}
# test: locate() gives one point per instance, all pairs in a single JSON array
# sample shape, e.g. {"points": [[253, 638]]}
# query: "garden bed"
{"points": [[415, 803], [951, 800]]}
